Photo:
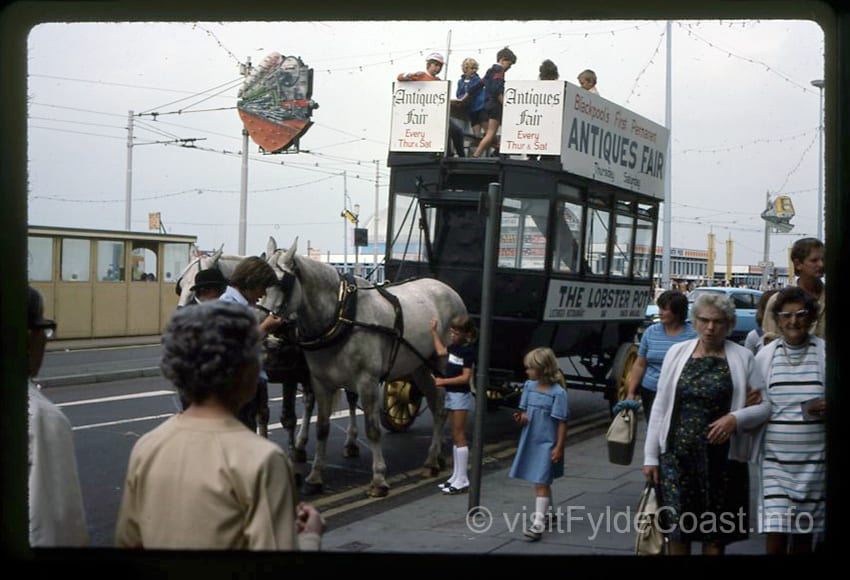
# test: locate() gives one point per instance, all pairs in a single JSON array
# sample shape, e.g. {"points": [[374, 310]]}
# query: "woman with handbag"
{"points": [[672, 328], [696, 447]]}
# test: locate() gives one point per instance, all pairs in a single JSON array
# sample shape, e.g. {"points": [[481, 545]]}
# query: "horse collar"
{"points": [[346, 312]]}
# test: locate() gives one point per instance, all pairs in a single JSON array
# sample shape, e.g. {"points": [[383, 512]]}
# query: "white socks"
{"points": [[451, 480], [541, 508], [460, 478]]}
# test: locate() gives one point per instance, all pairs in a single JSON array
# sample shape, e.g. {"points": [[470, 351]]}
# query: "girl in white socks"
{"points": [[543, 415], [459, 401]]}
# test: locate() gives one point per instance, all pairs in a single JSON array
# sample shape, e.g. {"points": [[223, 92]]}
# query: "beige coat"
{"points": [[197, 483]]}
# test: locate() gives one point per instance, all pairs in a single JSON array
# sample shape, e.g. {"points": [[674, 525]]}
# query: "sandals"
{"points": [[452, 490], [444, 485]]}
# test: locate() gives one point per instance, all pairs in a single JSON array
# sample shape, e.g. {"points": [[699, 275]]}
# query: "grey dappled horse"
{"points": [[350, 338], [288, 366]]}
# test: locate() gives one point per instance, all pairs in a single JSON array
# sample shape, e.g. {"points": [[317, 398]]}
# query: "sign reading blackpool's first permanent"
{"points": [[420, 116], [609, 143]]}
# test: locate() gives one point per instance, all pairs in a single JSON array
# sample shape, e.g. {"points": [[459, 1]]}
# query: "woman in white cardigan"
{"points": [[697, 447]]}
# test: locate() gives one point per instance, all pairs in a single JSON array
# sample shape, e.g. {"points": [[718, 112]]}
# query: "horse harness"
{"points": [[345, 321]]}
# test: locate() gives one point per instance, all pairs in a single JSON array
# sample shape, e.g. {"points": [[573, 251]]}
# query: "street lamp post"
{"points": [[819, 84]]}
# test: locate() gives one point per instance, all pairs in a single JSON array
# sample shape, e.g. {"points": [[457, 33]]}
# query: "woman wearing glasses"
{"points": [[791, 370], [696, 449]]}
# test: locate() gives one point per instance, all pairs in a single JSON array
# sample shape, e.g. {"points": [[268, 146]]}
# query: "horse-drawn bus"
{"points": [[581, 180]]}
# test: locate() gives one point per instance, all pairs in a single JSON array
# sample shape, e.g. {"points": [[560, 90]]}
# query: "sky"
{"points": [[744, 124]]}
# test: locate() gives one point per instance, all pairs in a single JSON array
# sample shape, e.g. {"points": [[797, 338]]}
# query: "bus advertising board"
{"points": [[577, 300], [609, 143], [420, 117], [531, 118]]}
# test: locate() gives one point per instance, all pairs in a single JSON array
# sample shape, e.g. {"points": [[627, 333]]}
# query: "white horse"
{"points": [[354, 335], [288, 366]]}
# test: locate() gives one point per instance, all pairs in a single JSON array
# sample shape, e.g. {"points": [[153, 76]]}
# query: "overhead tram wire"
{"points": [[227, 86]]}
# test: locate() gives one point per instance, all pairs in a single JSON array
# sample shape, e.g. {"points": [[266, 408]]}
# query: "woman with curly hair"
{"points": [[202, 480]]}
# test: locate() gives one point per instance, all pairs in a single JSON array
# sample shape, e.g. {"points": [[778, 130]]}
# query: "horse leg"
{"points": [[313, 481], [287, 411], [434, 463], [368, 389], [299, 454], [351, 449]]}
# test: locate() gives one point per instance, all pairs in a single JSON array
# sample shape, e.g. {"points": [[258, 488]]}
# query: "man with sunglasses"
{"points": [[56, 513]]}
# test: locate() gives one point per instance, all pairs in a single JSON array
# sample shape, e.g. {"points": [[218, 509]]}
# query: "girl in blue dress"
{"points": [[543, 415]]}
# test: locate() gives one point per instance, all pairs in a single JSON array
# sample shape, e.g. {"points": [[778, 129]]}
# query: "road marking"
{"points": [[117, 398], [272, 426]]}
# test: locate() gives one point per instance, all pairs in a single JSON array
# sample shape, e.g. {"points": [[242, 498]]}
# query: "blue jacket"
{"points": [[474, 87]]}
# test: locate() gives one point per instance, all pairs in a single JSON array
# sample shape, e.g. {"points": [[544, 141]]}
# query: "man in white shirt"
{"points": [[56, 513]]}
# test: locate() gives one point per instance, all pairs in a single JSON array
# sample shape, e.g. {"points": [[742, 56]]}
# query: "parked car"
{"points": [[746, 302]]}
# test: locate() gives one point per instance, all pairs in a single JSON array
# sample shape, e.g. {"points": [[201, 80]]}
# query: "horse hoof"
{"points": [[299, 455], [378, 490], [351, 451], [309, 489], [430, 472]]}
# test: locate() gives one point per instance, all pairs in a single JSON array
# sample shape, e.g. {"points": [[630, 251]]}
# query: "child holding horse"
{"points": [[459, 401], [543, 415]]}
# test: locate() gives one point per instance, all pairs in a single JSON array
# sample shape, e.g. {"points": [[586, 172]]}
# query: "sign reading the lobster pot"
{"points": [[531, 118], [609, 143], [275, 102], [575, 300], [420, 116]]}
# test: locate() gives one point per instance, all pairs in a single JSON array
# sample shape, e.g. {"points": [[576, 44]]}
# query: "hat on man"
{"points": [[210, 278], [436, 57]]}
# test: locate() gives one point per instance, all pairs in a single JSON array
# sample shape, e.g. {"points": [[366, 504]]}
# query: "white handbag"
{"points": [[621, 437], [650, 540]]}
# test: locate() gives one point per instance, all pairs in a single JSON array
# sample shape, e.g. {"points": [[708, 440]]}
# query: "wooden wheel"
{"points": [[401, 405]]}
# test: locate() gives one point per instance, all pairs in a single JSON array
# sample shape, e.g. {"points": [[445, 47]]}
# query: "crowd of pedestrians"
{"points": [[204, 478]]}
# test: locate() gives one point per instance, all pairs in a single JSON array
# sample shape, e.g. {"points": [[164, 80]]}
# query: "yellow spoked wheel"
{"points": [[401, 405], [620, 369]]}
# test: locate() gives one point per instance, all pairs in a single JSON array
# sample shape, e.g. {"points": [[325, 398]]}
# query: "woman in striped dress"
{"points": [[793, 459]]}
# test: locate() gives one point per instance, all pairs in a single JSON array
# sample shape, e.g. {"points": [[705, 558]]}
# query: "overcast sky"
{"points": [[744, 119]]}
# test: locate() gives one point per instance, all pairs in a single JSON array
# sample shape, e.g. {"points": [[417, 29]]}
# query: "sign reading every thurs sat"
{"points": [[532, 117], [420, 116]]}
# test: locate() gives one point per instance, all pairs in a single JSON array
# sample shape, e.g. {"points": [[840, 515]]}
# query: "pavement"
{"points": [[592, 512], [593, 504]]}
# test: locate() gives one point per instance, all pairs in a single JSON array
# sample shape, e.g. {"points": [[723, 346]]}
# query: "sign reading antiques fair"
{"points": [[574, 300], [608, 143], [531, 118], [420, 116]]}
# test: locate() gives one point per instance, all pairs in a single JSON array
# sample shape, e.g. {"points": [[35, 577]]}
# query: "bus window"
{"points": [[522, 240], [175, 258], [622, 245], [40, 259], [408, 244], [143, 262], [76, 256], [567, 238], [110, 261], [643, 243], [458, 235], [596, 240]]}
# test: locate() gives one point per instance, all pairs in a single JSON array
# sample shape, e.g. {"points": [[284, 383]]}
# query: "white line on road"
{"points": [[272, 426], [117, 398]]}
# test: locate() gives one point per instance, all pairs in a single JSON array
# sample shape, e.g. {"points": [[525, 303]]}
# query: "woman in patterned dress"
{"points": [[793, 458], [696, 450], [543, 413]]}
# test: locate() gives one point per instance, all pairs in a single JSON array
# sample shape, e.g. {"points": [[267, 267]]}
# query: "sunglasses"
{"points": [[788, 315], [47, 326]]}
